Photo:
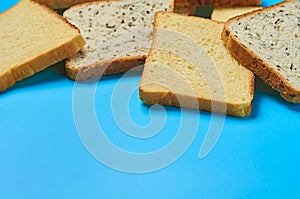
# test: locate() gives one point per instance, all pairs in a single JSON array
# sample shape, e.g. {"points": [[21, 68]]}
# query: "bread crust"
{"points": [[109, 67], [171, 99], [225, 13], [185, 10], [39, 63], [61, 4], [259, 67], [228, 3], [43, 60], [89, 2]]}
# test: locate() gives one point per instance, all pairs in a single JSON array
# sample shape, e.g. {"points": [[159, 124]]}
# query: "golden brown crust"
{"points": [[89, 2], [251, 61], [40, 62], [6, 80], [171, 99], [110, 67], [229, 3], [61, 4], [185, 10]]}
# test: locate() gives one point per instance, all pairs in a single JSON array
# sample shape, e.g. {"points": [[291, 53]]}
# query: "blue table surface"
{"points": [[46, 151]]}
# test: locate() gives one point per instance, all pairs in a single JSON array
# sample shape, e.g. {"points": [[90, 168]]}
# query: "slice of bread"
{"points": [[188, 66], [32, 38], [229, 3], [224, 13], [118, 36], [267, 42]]}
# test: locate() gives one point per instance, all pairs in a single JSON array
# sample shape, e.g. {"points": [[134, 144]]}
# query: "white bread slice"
{"points": [[229, 3], [188, 66], [224, 13], [30, 41], [118, 36], [267, 42]]}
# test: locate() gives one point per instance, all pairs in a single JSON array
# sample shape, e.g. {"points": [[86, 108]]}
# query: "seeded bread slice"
{"points": [[118, 36], [267, 42], [188, 66], [229, 3], [225, 13], [30, 41]]}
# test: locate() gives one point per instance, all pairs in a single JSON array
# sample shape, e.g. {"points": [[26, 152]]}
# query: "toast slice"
{"points": [[30, 41], [229, 3], [118, 36], [188, 66], [223, 14], [267, 42]]}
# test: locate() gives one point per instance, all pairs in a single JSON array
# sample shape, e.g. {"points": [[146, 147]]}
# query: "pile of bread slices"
{"points": [[188, 61]]}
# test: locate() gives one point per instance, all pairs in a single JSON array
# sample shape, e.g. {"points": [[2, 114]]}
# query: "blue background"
{"points": [[41, 155]]}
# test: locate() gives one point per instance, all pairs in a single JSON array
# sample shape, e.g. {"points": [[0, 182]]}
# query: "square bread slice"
{"points": [[118, 36], [267, 42], [188, 66], [225, 13], [33, 37], [228, 3]]}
